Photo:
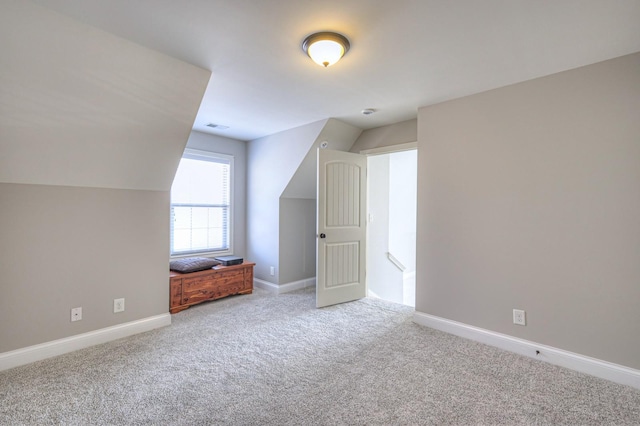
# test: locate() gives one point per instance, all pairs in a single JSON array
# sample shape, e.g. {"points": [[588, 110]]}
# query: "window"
{"points": [[200, 204]]}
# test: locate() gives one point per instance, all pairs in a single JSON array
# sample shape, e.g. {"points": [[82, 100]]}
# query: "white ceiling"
{"points": [[404, 53]]}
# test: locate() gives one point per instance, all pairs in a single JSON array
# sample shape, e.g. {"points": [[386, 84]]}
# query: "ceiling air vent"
{"points": [[217, 126]]}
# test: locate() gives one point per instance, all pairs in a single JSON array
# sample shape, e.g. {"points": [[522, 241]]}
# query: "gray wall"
{"points": [[283, 166], [339, 136], [64, 247], [393, 134], [271, 163], [297, 260], [529, 197], [92, 130], [237, 149], [297, 239], [82, 107]]}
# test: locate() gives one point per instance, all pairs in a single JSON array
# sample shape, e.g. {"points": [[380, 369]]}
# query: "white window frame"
{"points": [[196, 154]]}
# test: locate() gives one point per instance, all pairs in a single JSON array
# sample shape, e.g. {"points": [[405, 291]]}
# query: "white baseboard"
{"points": [[296, 285], [265, 285], [595, 367], [284, 288], [68, 344]]}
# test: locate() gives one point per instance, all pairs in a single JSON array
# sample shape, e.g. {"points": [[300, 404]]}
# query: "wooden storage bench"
{"points": [[221, 281]]}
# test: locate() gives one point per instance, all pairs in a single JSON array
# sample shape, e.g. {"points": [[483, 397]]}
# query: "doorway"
{"points": [[391, 226]]}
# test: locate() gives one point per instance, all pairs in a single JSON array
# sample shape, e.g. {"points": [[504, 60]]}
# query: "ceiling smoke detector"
{"points": [[368, 111], [217, 126]]}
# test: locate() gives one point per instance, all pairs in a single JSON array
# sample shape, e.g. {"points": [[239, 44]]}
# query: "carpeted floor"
{"points": [[262, 359]]}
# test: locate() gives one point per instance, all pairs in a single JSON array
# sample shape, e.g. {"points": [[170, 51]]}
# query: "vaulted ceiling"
{"points": [[405, 53]]}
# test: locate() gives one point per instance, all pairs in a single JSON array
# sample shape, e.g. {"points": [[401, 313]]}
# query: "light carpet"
{"points": [[263, 359]]}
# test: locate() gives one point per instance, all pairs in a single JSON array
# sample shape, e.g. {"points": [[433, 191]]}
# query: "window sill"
{"points": [[205, 254]]}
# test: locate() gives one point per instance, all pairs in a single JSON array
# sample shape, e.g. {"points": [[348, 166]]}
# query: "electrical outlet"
{"points": [[519, 317], [118, 305], [76, 314], [272, 270]]}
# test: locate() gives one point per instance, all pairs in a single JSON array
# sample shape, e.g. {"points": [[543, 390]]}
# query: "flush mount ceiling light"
{"points": [[326, 48]]}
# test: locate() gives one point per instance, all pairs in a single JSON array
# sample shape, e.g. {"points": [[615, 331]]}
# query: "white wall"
{"points": [[391, 228], [384, 279], [237, 149], [403, 172], [529, 198]]}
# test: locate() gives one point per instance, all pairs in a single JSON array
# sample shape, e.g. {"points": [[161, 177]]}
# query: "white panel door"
{"points": [[341, 232]]}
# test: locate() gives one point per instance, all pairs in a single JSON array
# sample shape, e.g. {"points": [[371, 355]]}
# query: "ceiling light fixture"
{"points": [[326, 48]]}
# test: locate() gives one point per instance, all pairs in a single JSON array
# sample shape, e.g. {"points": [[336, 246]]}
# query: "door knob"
{"points": [[322, 236]]}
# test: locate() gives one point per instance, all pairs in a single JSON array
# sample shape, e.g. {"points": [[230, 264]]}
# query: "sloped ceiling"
{"points": [[405, 53], [82, 107], [338, 136]]}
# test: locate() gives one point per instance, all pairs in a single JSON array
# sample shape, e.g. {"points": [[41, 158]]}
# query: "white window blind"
{"points": [[201, 204]]}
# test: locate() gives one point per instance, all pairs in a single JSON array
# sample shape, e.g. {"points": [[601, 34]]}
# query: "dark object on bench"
{"points": [[230, 260]]}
